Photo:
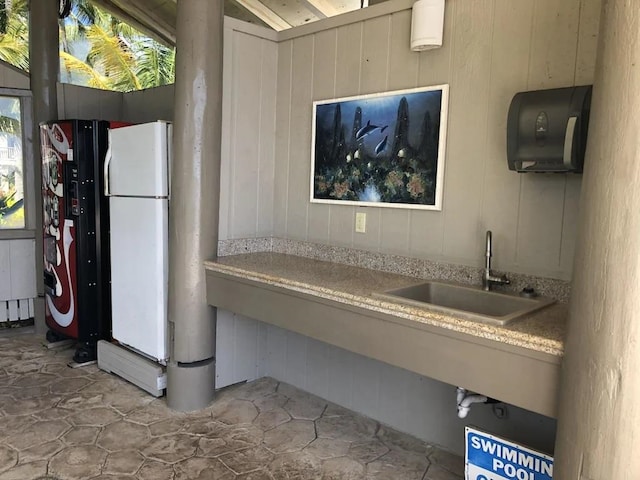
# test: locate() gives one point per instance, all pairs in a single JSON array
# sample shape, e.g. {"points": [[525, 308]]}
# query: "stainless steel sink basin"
{"points": [[492, 307]]}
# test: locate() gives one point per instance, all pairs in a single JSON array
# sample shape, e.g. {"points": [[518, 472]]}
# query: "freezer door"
{"points": [[139, 280], [139, 160]]}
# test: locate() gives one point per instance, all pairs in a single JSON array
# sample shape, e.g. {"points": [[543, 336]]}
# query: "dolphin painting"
{"points": [[381, 146], [366, 130]]}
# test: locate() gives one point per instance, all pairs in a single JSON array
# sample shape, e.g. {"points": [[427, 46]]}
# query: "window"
{"points": [[11, 164]]}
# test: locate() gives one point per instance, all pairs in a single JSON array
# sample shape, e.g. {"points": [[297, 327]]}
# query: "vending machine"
{"points": [[76, 233]]}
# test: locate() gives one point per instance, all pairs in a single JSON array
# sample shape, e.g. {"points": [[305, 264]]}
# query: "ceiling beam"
{"points": [[161, 31], [322, 8], [265, 14]]}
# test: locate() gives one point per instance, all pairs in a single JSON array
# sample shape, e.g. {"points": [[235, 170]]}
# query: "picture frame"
{"points": [[383, 149]]}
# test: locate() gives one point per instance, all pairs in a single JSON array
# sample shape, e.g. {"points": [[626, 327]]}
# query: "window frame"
{"points": [[29, 158]]}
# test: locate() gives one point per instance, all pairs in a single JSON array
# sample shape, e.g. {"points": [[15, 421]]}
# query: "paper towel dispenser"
{"points": [[547, 130]]}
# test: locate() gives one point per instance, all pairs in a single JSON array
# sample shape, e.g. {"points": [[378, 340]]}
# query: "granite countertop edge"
{"points": [[540, 331]]}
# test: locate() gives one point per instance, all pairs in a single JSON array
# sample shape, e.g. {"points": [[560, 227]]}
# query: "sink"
{"points": [[491, 307]]}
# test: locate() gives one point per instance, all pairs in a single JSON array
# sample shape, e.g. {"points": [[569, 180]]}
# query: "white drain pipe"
{"points": [[465, 400]]}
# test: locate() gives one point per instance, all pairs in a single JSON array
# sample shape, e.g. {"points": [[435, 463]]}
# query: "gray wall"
{"points": [[492, 49], [75, 102], [248, 131], [148, 105], [12, 77], [83, 103]]}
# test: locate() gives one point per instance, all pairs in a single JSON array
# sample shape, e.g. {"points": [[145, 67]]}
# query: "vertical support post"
{"points": [[195, 199], [44, 67], [599, 417]]}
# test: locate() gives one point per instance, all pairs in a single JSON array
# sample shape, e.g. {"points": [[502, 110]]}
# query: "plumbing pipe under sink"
{"points": [[466, 399]]}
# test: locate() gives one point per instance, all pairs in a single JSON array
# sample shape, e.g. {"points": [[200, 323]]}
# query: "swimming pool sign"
{"points": [[488, 457]]}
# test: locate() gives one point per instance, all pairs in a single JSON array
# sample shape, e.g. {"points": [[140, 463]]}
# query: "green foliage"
{"points": [[11, 210], [14, 35], [118, 56]]}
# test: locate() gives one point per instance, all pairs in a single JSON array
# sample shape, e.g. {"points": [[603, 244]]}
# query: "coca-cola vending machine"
{"points": [[76, 233]]}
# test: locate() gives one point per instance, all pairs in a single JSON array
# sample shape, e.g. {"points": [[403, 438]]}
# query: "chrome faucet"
{"points": [[488, 278]]}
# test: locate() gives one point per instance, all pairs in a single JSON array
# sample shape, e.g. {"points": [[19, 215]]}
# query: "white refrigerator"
{"points": [[137, 173]]}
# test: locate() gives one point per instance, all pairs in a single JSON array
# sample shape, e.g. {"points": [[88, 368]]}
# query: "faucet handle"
{"points": [[488, 243]]}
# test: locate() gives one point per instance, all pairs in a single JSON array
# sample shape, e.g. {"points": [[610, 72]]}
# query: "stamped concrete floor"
{"points": [[63, 423]]}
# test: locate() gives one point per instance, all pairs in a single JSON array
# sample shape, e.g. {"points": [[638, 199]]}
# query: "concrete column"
{"points": [[599, 414], [44, 66], [193, 218]]}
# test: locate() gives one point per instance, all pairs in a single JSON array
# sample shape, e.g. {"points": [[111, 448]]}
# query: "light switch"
{"points": [[361, 222]]}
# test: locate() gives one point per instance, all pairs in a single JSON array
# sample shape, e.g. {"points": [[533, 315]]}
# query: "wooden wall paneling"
{"points": [[60, 94], [148, 105], [317, 381], [227, 136], [392, 399], [296, 365], [266, 172], [299, 161], [434, 66], [403, 63], [23, 269], [348, 60], [324, 87], [112, 106], [347, 64], [245, 349], [407, 401], [245, 129], [571, 209], [542, 200], [5, 270], [395, 231], [554, 44], [93, 103], [262, 348], [374, 68], [318, 228], [590, 11], [341, 376], [540, 223], [12, 77], [24, 312], [89, 103], [366, 385], [13, 310], [426, 232], [283, 138], [276, 365], [428, 395], [587, 41], [342, 225], [467, 132], [224, 348], [512, 23], [70, 107]]}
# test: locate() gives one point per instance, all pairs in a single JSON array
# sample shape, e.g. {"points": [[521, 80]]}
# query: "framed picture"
{"points": [[383, 150]]}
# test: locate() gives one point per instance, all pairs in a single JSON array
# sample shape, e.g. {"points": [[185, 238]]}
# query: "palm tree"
{"points": [[119, 57], [14, 33], [115, 57]]}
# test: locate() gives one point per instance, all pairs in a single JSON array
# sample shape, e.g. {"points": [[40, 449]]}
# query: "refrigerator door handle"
{"points": [[107, 163]]}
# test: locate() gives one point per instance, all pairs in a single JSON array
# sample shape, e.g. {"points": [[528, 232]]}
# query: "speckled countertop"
{"points": [[541, 331]]}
